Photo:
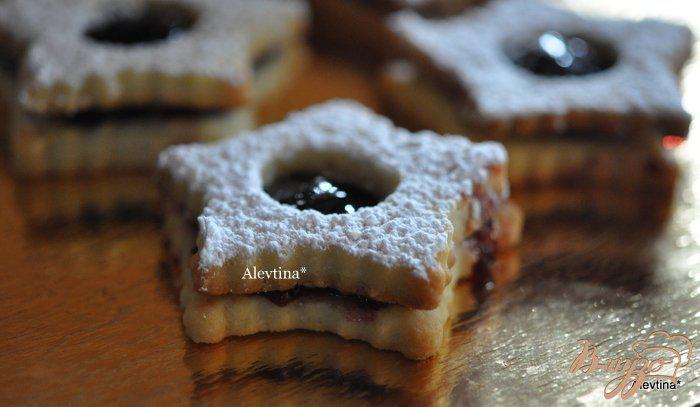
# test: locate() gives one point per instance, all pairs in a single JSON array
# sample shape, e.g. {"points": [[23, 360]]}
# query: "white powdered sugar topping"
{"points": [[216, 46], [407, 229], [472, 47]]}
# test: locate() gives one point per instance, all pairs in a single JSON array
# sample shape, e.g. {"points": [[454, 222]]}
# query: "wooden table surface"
{"points": [[90, 316]]}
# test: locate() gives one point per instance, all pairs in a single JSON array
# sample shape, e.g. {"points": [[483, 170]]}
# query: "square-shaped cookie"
{"points": [[98, 55], [377, 224]]}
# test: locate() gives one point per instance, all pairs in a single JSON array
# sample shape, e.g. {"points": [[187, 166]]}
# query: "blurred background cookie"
{"points": [[98, 88], [576, 100]]}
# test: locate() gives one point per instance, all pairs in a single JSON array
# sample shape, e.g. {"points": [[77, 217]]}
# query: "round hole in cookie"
{"points": [[153, 22], [329, 182], [553, 53]]}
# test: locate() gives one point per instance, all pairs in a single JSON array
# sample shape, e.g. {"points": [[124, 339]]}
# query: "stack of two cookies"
{"points": [[98, 88], [335, 221], [587, 108]]}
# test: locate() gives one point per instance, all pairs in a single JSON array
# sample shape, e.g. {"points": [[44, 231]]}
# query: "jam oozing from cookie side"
{"points": [[282, 298], [555, 54], [324, 194], [357, 308], [156, 22]]}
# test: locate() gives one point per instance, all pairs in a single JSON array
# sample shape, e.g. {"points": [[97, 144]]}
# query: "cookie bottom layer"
{"points": [[418, 334], [554, 161], [59, 148]]}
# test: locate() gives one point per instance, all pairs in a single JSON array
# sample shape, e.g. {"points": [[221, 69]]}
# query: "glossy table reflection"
{"points": [[90, 315]]}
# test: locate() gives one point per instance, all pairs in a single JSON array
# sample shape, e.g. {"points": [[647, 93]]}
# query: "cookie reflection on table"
{"points": [[612, 205], [303, 365], [48, 204], [473, 294], [591, 248]]}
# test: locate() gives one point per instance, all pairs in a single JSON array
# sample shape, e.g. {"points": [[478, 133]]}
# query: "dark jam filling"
{"points": [[357, 308], [324, 194], [156, 22], [555, 54], [8, 63], [361, 308], [282, 298], [95, 117], [481, 278]]}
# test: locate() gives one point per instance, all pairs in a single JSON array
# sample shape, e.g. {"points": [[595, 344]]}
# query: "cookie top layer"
{"points": [[409, 232], [67, 70], [473, 47]]}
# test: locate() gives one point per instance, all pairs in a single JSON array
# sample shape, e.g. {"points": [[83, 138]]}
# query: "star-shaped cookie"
{"points": [[102, 54], [434, 192], [475, 53]]}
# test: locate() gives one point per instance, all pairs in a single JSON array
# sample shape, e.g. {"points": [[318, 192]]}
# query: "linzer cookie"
{"points": [[522, 68], [577, 101], [99, 88], [374, 223], [83, 55]]}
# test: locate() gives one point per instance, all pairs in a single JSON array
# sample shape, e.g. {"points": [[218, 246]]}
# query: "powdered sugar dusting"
{"points": [[407, 229], [471, 47], [217, 46]]}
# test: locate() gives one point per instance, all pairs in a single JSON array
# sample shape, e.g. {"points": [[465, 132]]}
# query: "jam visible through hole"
{"points": [[555, 54], [322, 193], [155, 22]]}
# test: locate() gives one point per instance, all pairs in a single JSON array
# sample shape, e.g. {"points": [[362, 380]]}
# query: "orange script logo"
{"points": [[657, 357]]}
